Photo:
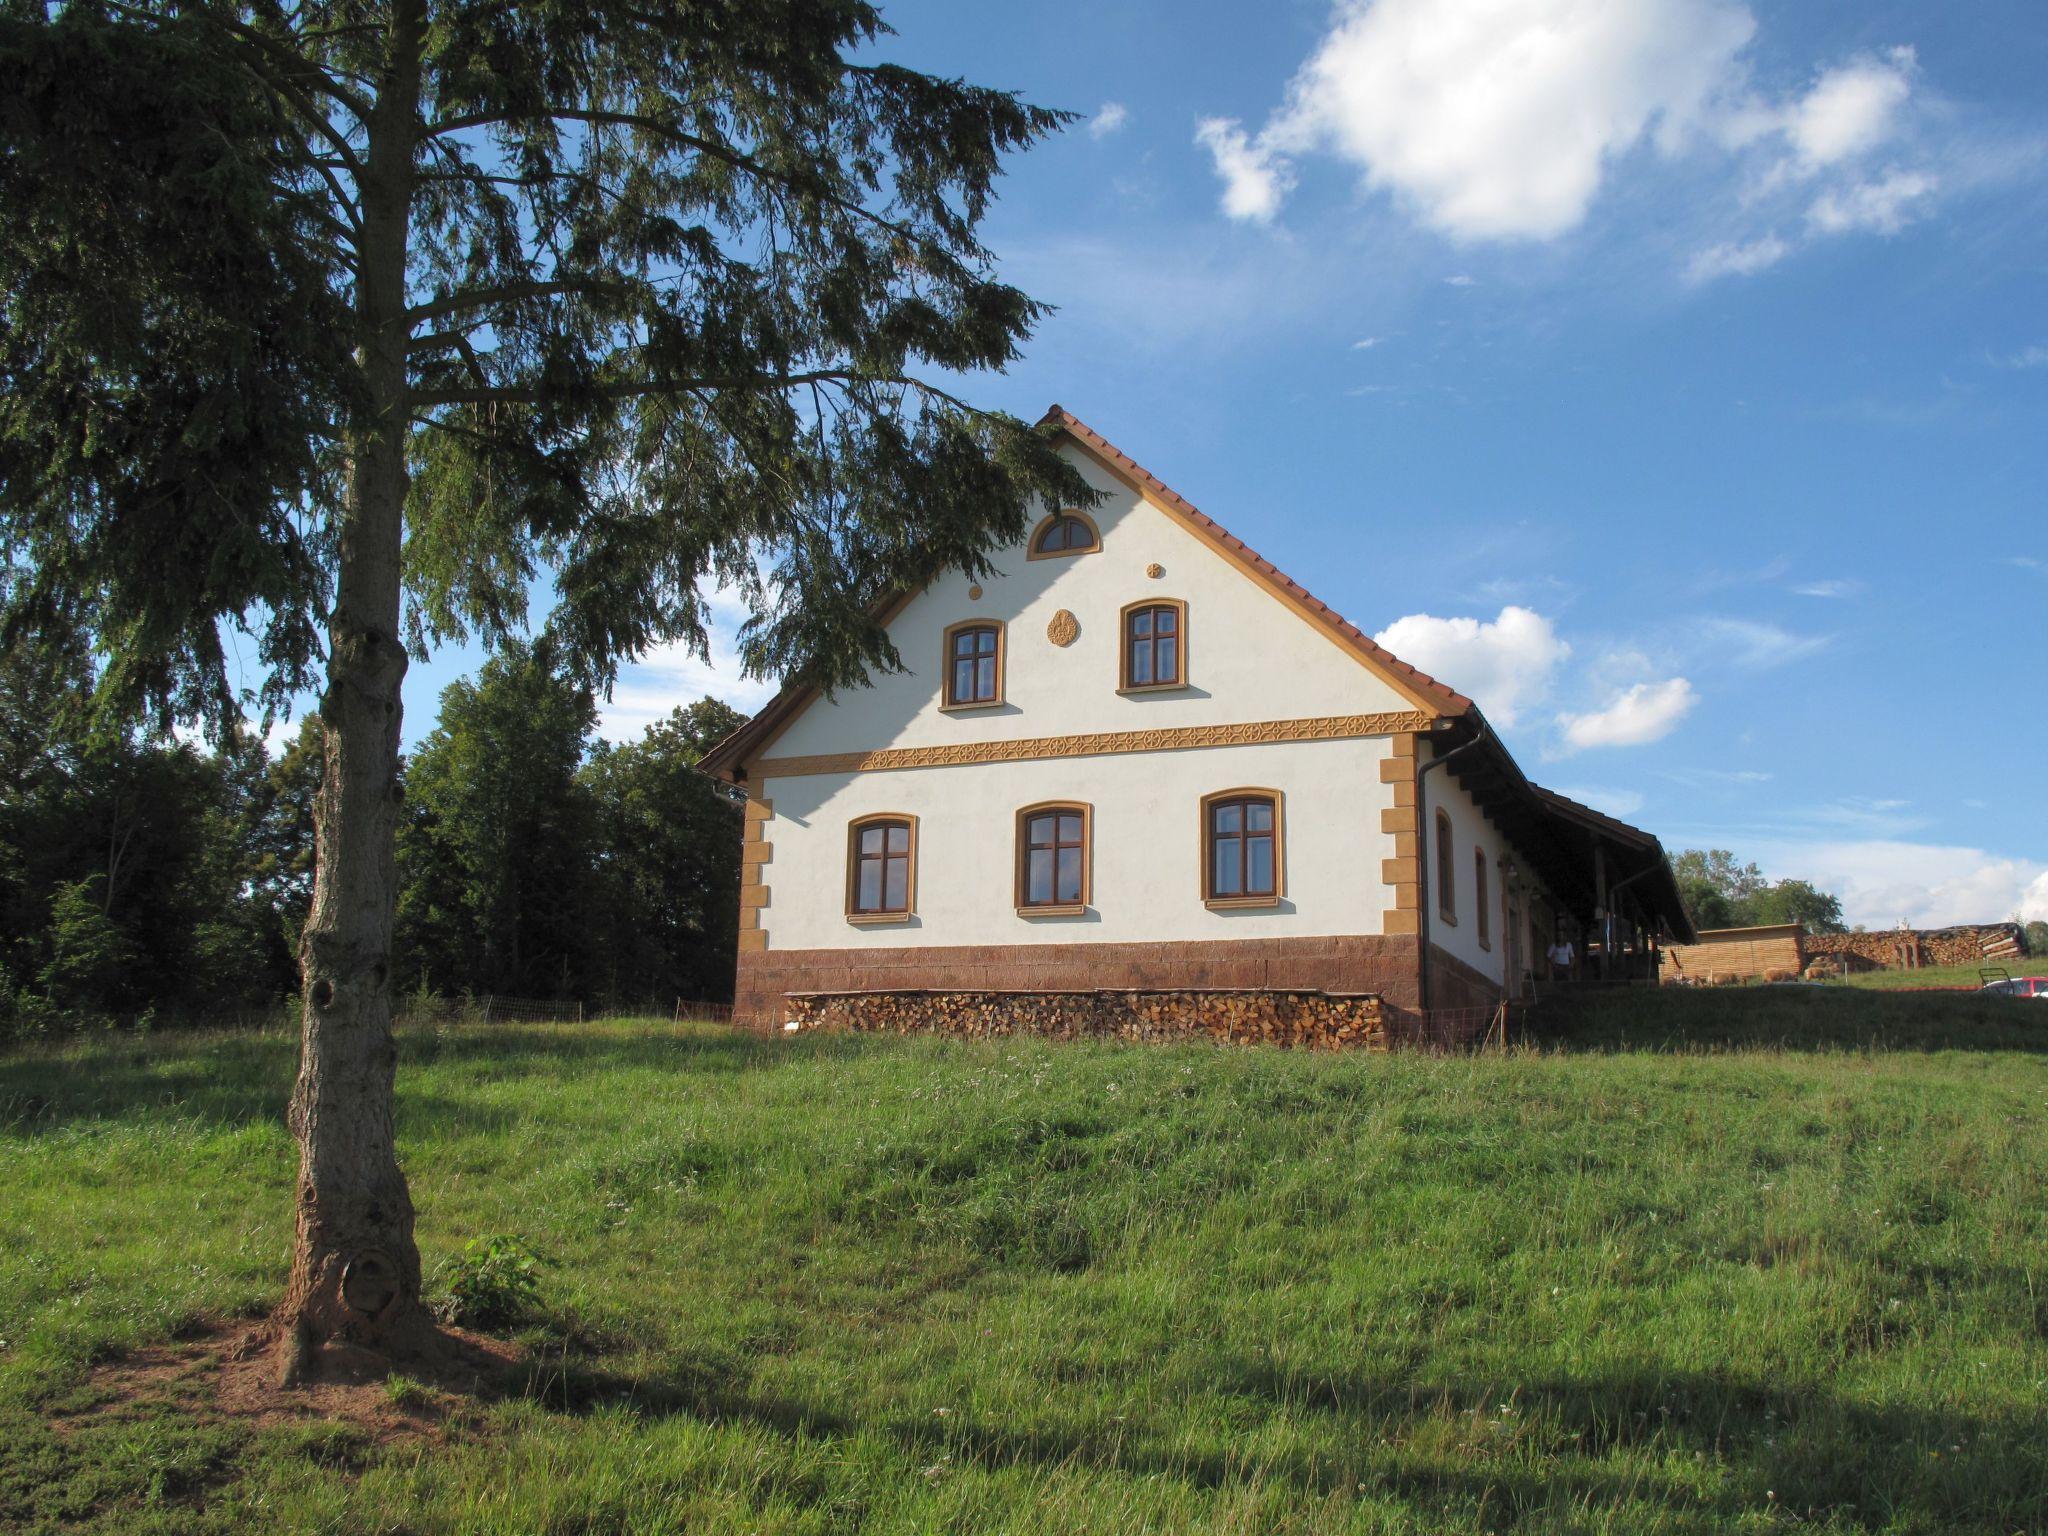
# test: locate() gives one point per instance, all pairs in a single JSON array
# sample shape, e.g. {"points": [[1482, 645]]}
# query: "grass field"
{"points": [[1725, 1262], [1943, 975]]}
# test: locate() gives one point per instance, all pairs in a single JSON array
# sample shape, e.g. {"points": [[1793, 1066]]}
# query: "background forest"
{"points": [[151, 877]]}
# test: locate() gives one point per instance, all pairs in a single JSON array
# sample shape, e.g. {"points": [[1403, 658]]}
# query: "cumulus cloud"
{"points": [[1503, 120], [1886, 881], [1255, 179], [1505, 664], [1635, 717], [1497, 119], [671, 676], [1883, 206], [1851, 109], [1110, 117]]}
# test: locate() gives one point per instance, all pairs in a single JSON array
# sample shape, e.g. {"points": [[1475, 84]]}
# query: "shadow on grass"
{"points": [[1703, 1451], [1790, 1018], [241, 1079]]}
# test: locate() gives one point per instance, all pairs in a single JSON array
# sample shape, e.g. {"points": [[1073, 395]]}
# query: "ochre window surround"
{"points": [[1152, 645], [881, 868], [1062, 533], [1481, 919], [1055, 858], [975, 657], [1446, 872], [1244, 849]]}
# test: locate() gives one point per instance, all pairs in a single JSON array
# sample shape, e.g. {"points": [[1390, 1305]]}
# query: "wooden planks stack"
{"points": [[1306, 1019]]}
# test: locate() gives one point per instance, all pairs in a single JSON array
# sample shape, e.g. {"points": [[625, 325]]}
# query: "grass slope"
{"points": [[1676, 1278]]}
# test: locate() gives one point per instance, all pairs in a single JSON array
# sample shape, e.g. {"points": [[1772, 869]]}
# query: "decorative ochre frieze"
{"points": [[1248, 733]]}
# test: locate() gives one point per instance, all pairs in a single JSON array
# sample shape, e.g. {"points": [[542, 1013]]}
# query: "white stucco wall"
{"points": [[1249, 657], [1147, 846]]}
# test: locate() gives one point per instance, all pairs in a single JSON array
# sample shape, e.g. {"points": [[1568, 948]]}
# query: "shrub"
{"points": [[493, 1283]]}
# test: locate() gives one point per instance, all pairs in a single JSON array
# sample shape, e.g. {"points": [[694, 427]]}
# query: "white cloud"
{"points": [[1753, 644], [1461, 280], [2027, 357], [1637, 716], [1505, 664], [1884, 206], [1846, 587], [1111, 117], [1883, 881], [1498, 119], [1615, 802], [1851, 109], [1737, 258], [671, 676], [1365, 344], [1254, 178]]}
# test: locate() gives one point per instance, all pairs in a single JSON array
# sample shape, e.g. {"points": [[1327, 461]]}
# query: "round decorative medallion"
{"points": [[1155, 570], [974, 594], [1064, 629]]}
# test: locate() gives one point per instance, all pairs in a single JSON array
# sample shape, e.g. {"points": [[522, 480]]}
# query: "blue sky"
{"points": [[1671, 375]]}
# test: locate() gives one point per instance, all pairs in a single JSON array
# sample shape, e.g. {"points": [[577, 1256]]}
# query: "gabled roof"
{"points": [[1422, 690]]}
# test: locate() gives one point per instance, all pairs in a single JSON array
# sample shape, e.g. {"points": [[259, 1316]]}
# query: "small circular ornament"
{"points": [[1155, 570], [974, 594], [1064, 629]]}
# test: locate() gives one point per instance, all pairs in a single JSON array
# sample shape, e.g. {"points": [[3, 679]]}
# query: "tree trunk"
{"points": [[355, 1267]]}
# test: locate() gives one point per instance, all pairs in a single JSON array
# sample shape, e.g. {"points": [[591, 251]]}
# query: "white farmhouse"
{"points": [[1142, 759]]}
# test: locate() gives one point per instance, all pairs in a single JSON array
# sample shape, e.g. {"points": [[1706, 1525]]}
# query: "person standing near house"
{"points": [[1561, 957]]}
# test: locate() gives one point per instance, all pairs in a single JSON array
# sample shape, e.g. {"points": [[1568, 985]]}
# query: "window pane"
{"points": [[1070, 829], [899, 839], [1038, 877], [1070, 874], [963, 680], [1168, 618], [1259, 859], [1228, 816], [985, 678], [985, 641], [1258, 815], [870, 897], [871, 840], [1169, 659], [1228, 868], [1141, 662], [897, 889], [963, 643], [1141, 623]]}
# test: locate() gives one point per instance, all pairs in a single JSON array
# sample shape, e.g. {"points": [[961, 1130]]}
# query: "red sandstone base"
{"points": [[1384, 966]]}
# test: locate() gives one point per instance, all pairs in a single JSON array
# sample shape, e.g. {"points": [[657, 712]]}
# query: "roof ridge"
{"points": [[1446, 697]]}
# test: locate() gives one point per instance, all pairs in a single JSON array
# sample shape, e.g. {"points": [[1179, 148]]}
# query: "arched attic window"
{"points": [[1065, 533]]}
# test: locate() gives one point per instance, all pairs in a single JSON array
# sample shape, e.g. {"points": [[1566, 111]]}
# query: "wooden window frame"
{"points": [[1123, 645], [1446, 855], [947, 703], [1032, 551], [1027, 908], [1482, 925], [1217, 903], [854, 829]]}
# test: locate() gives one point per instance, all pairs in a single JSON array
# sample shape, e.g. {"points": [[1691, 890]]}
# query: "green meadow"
{"points": [[1746, 1261]]}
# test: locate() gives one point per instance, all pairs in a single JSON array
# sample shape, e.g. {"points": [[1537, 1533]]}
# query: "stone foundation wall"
{"points": [[1382, 966], [1310, 1020]]}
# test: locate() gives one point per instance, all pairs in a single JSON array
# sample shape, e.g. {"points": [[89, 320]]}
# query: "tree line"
{"points": [[1720, 892], [144, 877]]}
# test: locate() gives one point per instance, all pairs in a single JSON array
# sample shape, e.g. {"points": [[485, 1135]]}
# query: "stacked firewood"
{"points": [[1313, 1020], [1892, 947]]}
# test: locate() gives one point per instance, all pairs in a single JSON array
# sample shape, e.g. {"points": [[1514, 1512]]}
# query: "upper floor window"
{"points": [[1065, 533], [1241, 854], [974, 665], [1446, 871], [1155, 645], [1481, 920], [881, 877], [1052, 858]]}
